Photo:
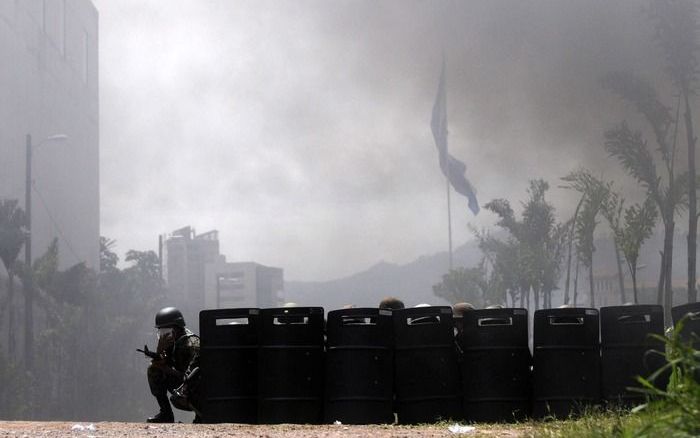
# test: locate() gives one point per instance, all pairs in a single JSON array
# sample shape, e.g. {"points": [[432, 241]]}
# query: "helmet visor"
{"points": [[165, 333]]}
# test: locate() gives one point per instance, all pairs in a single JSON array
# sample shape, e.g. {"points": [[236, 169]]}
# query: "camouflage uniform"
{"points": [[180, 358]]}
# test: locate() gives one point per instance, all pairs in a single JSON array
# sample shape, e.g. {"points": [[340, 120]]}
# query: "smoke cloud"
{"points": [[300, 130]]}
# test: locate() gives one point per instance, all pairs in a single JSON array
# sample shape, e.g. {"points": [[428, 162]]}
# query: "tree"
{"points": [[630, 148], [612, 212], [639, 221], [465, 285], [503, 257], [13, 229], [595, 194], [145, 269], [544, 240], [676, 26], [108, 258], [514, 246], [536, 244], [571, 233]]}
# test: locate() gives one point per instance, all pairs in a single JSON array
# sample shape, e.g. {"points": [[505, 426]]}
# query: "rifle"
{"points": [[149, 353]]}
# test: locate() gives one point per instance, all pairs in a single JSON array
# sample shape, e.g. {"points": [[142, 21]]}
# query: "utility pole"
{"points": [[28, 275]]}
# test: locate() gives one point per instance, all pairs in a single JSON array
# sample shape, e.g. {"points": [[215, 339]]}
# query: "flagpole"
{"points": [[447, 178], [449, 221], [452, 168]]}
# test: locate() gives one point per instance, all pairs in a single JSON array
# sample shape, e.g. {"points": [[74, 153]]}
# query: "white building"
{"points": [[49, 86], [242, 284]]}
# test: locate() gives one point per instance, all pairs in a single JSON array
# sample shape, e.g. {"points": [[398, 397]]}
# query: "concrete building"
{"points": [[184, 255], [199, 278], [49, 86], [242, 284]]}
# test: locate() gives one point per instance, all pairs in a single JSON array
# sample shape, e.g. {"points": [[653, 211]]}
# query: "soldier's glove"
{"points": [[159, 362], [179, 398]]}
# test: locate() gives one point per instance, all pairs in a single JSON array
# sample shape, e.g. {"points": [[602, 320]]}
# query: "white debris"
{"points": [[80, 427], [457, 428], [337, 423]]}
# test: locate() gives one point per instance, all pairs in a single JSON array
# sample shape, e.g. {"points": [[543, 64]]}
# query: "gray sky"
{"points": [[301, 130]]}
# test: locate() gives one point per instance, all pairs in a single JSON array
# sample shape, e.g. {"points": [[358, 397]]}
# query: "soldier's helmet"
{"points": [[392, 303], [169, 317]]}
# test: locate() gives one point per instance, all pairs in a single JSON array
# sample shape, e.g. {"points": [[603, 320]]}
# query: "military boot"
{"points": [[166, 412]]}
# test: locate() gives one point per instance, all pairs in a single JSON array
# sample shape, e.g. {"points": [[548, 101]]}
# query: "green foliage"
{"points": [[46, 266], [595, 197], [472, 285], [13, 402], [108, 258], [530, 259], [638, 226], [504, 258], [634, 156], [90, 324], [675, 409], [593, 424], [643, 97], [13, 229], [631, 150]]}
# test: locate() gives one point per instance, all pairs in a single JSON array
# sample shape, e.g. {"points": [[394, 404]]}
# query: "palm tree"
{"points": [[13, 228], [676, 28], [503, 257], [571, 229], [632, 151], [612, 210], [595, 194], [536, 242], [639, 221]]}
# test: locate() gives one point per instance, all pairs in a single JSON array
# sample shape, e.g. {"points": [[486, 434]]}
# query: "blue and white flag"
{"points": [[451, 167]]}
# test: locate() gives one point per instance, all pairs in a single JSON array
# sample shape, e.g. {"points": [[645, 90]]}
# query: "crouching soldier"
{"points": [[174, 366]]}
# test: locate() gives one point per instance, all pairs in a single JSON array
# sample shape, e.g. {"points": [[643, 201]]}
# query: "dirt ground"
{"points": [[99, 430]]}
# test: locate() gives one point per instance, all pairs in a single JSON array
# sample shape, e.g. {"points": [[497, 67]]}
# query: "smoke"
{"points": [[301, 131]]}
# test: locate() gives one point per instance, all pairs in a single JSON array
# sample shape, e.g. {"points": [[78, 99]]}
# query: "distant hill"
{"points": [[412, 282]]}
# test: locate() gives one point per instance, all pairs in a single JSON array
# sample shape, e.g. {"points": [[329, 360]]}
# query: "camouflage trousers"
{"points": [[162, 379]]}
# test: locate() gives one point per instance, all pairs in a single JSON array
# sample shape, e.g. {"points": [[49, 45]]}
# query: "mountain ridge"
{"points": [[412, 282]]}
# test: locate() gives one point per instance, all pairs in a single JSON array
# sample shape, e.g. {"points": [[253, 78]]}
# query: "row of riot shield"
{"points": [[270, 366], [281, 366], [262, 365]]}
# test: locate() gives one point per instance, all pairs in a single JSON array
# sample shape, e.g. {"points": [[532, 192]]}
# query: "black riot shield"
{"points": [[628, 350], [290, 365], [566, 371], [229, 365], [426, 374], [359, 367], [495, 365], [691, 325]]}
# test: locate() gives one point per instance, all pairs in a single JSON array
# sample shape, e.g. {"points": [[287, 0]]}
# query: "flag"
{"points": [[451, 167]]}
